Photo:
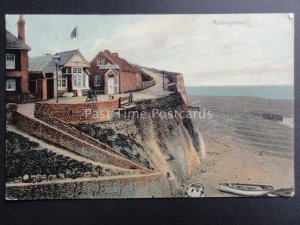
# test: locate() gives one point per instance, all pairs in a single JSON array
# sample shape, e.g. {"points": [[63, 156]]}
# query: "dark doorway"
{"points": [[32, 86], [69, 83], [50, 88]]}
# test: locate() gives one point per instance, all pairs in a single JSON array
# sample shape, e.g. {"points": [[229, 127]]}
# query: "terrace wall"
{"points": [[139, 186]]}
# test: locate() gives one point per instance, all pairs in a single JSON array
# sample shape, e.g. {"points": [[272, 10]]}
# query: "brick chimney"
{"points": [[21, 28]]}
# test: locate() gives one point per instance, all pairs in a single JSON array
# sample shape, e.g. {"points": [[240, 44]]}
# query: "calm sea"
{"points": [[273, 92]]}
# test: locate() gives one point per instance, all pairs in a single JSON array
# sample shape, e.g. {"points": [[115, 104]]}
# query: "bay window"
{"points": [[78, 77]]}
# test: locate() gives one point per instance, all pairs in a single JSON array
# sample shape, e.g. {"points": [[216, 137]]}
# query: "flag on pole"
{"points": [[74, 33]]}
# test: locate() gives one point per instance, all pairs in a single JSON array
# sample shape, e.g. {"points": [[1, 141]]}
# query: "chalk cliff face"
{"points": [[156, 133], [168, 134]]}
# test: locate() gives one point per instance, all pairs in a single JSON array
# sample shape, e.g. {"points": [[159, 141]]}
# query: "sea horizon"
{"points": [[261, 91]]}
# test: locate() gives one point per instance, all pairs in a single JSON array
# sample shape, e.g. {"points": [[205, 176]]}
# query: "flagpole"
{"points": [[77, 38]]}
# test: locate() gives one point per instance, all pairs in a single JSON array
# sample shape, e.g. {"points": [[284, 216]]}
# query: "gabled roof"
{"points": [[45, 63], [12, 42], [66, 56], [115, 72], [115, 59]]}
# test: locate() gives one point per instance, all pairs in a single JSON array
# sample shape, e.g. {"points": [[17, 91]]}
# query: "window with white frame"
{"points": [[78, 77], [97, 80], [62, 81], [11, 85], [77, 70], [66, 70], [100, 61], [77, 80], [10, 61]]}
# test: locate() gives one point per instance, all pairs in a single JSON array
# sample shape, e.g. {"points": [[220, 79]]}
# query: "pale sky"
{"points": [[233, 49]]}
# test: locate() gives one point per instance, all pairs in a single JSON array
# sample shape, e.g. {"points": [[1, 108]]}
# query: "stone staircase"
{"points": [[61, 135], [63, 152], [71, 129]]}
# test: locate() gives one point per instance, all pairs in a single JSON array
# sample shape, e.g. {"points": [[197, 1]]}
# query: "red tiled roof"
{"points": [[113, 58]]}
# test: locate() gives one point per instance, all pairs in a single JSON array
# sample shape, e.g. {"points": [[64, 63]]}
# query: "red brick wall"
{"points": [[21, 28], [44, 84], [130, 81], [23, 73], [91, 112]]}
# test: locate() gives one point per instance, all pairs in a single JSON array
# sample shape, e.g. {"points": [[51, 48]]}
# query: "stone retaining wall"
{"points": [[141, 186]]}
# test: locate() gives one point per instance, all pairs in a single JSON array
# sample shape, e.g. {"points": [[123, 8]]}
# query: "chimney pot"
{"points": [[21, 28]]}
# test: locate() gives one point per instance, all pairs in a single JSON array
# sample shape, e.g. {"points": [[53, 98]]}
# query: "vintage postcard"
{"points": [[149, 106]]}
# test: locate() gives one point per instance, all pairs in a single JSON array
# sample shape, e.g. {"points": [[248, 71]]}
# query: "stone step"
{"points": [[44, 131], [66, 153]]}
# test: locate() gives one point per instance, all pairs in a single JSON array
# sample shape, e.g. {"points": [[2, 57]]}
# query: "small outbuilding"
{"points": [[111, 74], [73, 76]]}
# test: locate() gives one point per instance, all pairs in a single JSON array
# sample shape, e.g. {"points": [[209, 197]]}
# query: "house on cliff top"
{"points": [[111, 74], [73, 76], [16, 58]]}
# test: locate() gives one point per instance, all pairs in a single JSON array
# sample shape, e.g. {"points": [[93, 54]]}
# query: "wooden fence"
{"points": [[125, 100]]}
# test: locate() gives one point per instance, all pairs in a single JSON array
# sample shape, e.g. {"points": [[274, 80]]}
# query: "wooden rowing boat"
{"points": [[283, 192], [195, 191], [245, 189]]}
